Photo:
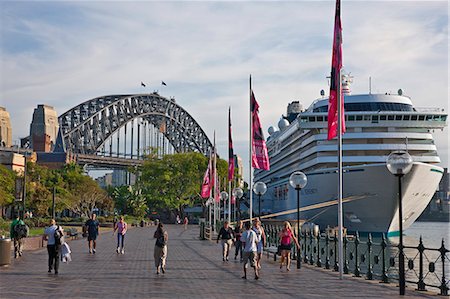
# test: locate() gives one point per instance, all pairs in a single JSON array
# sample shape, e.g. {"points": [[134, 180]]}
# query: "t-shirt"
{"points": [[225, 234], [250, 238], [50, 233], [121, 227], [92, 227]]}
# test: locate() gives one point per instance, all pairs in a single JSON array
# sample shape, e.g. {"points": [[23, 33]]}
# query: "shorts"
{"points": [[249, 256], [92, 237], [259, 247], [286, 246]]}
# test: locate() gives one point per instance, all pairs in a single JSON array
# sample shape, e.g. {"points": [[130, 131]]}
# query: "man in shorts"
{"points": [[249, 241], [92, 230]]}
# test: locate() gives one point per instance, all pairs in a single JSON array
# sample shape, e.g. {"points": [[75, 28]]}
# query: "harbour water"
{"points": [[432, 234]]}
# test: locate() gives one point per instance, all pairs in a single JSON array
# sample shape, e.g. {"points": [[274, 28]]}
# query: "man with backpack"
{"points": [[18, 232], [54, 235]]}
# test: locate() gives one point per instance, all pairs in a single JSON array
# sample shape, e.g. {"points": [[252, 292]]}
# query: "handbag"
{"points": [[279, 250]]}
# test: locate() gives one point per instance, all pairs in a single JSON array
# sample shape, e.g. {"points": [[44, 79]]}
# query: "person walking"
{"points": [[160, 251], [249, 241], [53, 234], [226, 235], [238, 230], [92, 229], [259, 230], [185, 222], [18, 231], [286, 238], [121, 228]]}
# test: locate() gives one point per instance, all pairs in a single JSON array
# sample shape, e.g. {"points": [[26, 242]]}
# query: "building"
{"points": [[44, 129], [5, 128], [13, 161]]}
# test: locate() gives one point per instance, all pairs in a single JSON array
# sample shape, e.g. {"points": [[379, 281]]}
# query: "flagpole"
{"points": [[215, 183], [340, 220], [250, 155]]}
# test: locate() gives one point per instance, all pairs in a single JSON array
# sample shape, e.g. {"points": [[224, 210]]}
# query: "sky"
{"points": [[62, 53]]}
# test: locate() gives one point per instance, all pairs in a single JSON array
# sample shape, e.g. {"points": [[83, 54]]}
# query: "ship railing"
{"points": [[428, 109], [372, 258]]}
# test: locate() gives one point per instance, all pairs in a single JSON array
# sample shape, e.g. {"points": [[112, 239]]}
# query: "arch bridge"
{"points": [[129, 126]]}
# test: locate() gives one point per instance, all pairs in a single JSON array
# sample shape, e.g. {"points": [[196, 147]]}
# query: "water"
{"points": [[432, 234]]}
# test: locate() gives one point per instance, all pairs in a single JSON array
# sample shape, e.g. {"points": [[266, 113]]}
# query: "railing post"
{"points": [[384, 276], [319, 261], [345, 261], [336, 265], [306, 259], [327, 249], [357, 269], [369, 257], [421, 249], [443, 287], [311, 261]]}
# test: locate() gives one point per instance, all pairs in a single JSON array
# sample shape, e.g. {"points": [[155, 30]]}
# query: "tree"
{"points": [[173, 181], [7, 186]]}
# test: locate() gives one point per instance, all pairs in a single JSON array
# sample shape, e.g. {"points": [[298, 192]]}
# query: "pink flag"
{"points": [[336, 66], [206, 186], [260, 157]]}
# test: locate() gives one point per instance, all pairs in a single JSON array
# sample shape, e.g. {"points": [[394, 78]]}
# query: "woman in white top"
{"points": [[259, 230]]}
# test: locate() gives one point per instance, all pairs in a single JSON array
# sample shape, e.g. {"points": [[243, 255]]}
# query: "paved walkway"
{"points": [[194, 270]]}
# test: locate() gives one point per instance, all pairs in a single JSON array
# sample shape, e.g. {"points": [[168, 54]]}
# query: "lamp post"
{"points": [[400, 163], [259, 188], [237, 193], [298, 180], [224, 197]]}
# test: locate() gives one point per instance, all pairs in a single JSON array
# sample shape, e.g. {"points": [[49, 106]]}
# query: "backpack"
{"points": [[160, 241], [59, 238], [21, 230]]}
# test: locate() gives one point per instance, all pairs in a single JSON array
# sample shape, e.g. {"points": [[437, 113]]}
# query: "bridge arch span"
{"points": [[85, 128]]}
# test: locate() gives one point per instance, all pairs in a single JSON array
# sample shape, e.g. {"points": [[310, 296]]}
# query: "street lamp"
{"points": [[259, 188], [298, 180], [224, 197], [237, 193], [400, 163]]}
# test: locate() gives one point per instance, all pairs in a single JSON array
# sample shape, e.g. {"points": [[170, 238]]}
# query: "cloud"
{"points": [[63, 53]]}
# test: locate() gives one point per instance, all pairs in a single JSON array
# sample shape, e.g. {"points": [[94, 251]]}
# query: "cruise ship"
{"points": [[376, 125]]}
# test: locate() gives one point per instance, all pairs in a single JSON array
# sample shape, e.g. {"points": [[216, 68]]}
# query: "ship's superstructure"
{"points": [[376, 125]]}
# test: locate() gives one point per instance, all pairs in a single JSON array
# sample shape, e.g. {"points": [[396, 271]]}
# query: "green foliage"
{"points": [[7, 186], [174, 181]]}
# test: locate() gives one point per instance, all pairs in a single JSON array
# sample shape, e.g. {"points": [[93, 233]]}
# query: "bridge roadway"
{"points": [[194, 270]]}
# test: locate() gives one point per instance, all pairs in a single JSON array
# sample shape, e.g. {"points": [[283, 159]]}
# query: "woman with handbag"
{"points": [[160, 252], [286, 238]]}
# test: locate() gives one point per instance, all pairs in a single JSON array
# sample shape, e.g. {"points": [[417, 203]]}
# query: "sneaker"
{"points": [[118, 250], [163, 270], [244, 277], [90, 250], [223, 259], [93, 251], [256, 277], [49, 270], [235, 257], [122, 251], [56, 272], [226, 258]]}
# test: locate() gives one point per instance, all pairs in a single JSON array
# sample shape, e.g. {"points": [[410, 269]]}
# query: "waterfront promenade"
{"points": [[194, 270]]}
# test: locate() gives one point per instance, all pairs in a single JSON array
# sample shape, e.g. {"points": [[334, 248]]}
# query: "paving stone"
{"points": [[194, 270]]}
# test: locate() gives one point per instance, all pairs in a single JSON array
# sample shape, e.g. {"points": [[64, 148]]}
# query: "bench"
{"points": [[72, 233]]}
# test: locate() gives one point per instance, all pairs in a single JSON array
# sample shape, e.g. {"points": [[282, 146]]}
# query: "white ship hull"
{"points": [[370, 195]]}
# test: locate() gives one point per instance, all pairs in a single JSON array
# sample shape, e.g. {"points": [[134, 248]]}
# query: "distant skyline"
{"points": [[62, 53]]}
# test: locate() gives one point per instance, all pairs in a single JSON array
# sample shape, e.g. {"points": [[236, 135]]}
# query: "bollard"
{"points": [[305, 258], [311, 261], [369, 254], [357, 269], [5, 252], [421, 249], [384, 276]]}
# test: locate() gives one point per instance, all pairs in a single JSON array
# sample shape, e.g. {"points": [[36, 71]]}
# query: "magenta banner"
{"points": [[260, 156]]}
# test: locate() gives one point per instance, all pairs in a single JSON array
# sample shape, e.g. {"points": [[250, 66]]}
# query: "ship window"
{"points": [[359, 117], [413, 117], [351, 117], [390, 117], [421, 117], [375, 118], [382, 117], [303, 119], [443, 117], [320, 118], [366, 117], [326, 118], [311, 118], [398, 117], [406, 117], [429, 117], [436, 117]]}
